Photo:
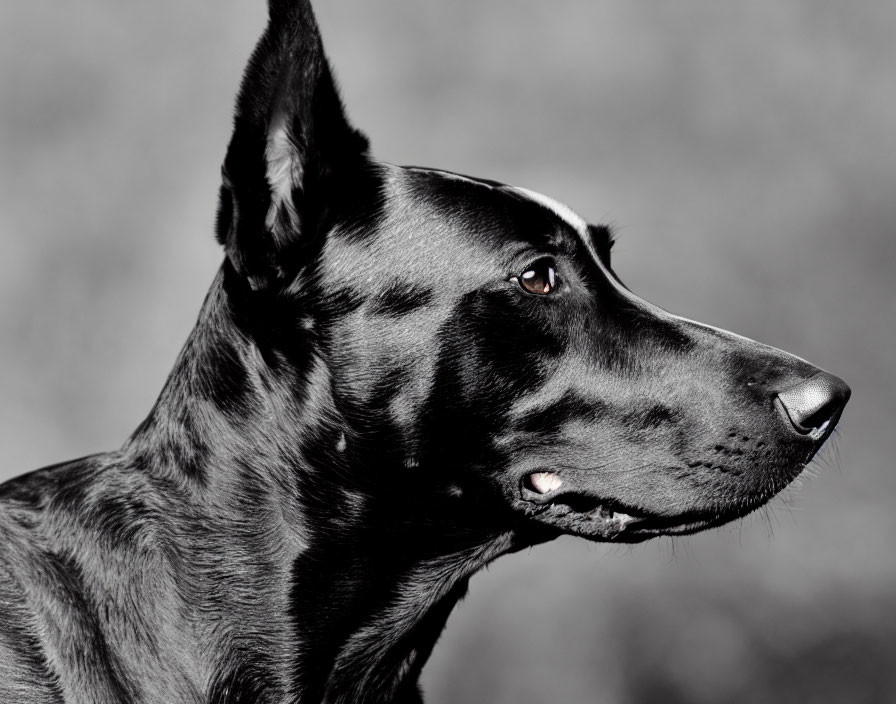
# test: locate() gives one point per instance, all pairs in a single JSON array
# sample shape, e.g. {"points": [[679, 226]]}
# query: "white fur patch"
{"points": [[564, 212]]}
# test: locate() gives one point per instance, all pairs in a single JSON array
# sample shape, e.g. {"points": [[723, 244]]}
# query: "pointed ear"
{"points": [[291, 146]]}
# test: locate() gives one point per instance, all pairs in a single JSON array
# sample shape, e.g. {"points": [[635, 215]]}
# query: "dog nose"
{"points": [[813, 404]]}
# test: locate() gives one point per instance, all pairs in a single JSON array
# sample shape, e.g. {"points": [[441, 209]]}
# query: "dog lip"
{"points": [[690, 522], [611, 518], [588, 506], [617, 522], [677, 525]]}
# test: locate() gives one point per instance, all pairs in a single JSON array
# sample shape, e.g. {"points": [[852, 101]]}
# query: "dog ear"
{"points": [[291, 145]]}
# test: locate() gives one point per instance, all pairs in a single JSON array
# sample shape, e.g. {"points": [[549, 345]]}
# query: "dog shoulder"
{"points": [[67, 535]]}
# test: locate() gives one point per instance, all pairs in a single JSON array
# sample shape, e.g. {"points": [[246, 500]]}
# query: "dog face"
{"points": [[516, 362], [477, 341]]}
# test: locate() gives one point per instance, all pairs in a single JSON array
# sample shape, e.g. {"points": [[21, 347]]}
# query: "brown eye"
{"points": [[540, 278]]}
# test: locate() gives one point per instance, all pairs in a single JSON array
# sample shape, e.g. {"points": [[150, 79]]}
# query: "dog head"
{"points": [[473, 340]]}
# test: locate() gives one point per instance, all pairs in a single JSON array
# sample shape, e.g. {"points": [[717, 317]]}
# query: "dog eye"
{"points": [[539, 278]]}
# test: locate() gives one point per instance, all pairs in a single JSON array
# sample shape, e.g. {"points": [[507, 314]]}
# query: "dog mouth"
{"points": [[548, 497]]}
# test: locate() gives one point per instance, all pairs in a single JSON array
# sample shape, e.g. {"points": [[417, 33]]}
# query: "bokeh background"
{"points": [[746, 154]]}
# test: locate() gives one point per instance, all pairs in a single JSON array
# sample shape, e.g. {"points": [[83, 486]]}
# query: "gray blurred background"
{"points": [[744, 151]]}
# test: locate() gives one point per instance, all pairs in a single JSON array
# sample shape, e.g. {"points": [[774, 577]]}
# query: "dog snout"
{"points": [[814, 405]]}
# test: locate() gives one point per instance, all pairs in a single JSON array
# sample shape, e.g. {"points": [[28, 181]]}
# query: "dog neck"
{"points": [[338, 565]]}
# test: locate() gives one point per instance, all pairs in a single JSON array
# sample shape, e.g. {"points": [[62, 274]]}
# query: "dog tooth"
{"points": [[545, 482], [604, 515]]}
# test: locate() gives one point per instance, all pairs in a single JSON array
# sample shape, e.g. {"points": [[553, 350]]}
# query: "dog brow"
{"points": [[561, 210]]}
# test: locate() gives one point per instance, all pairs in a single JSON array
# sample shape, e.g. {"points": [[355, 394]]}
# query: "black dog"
{"points": [[398, 375]]}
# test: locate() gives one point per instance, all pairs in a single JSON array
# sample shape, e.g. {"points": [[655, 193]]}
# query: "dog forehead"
{"points": [[516, 213], [432, 222], [571, 218]]}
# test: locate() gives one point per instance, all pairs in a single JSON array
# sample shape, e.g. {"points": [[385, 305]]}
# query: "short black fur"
{"points": [[370, 409]]}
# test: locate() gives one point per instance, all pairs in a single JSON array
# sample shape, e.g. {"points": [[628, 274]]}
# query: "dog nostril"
{"points": [[814, 403]]}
